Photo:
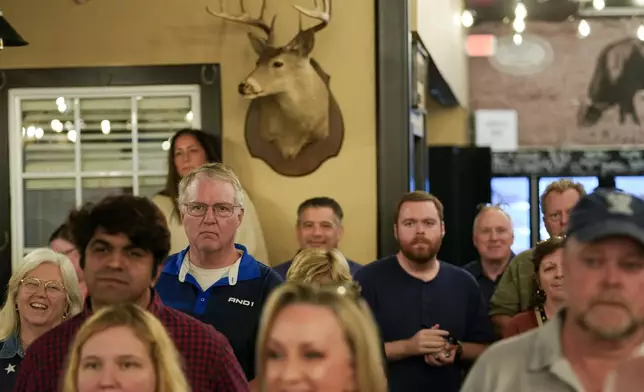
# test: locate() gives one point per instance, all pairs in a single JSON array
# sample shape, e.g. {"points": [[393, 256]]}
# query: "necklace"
{"points": [[542, 314]]}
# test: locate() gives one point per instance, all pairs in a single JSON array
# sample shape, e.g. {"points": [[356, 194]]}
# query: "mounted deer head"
{"points": [[292, 95]]}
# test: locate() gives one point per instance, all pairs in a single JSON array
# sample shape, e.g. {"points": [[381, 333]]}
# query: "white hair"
{"points": [[484, 208], [9, 319], [212, 171]]}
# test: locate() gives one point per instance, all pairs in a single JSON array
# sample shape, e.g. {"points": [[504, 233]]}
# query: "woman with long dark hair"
{"points": [[190, 149]]}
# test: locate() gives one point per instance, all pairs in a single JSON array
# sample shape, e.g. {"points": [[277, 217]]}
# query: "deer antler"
{"points": [[323, 15], [245, 18]]}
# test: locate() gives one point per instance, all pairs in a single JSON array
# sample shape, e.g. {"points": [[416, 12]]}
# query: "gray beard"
{"points": [[612, 335]]}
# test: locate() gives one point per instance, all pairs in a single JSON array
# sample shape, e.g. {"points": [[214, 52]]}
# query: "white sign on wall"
{"points": [[497, 129]]}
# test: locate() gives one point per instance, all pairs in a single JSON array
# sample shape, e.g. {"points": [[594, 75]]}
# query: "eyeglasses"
{"points": [[557, 215], [52, 287], [222, 210]]}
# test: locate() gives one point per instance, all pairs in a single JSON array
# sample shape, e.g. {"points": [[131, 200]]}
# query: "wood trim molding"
{"points": [[393, 79]]}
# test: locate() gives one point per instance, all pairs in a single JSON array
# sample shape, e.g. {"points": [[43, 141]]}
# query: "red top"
{"points": [[521, 323], [210, 363]]}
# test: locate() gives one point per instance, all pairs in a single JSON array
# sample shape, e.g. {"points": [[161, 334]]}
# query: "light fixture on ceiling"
{"points": [[599, 4], [467, 18], [517, 39], [640, 33], [8, 35], [519, 25], [520, 11]]}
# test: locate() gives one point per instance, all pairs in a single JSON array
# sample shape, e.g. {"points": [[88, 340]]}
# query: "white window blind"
{"points": [[78, 145]]}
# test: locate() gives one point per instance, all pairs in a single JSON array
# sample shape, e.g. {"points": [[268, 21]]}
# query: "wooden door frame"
{"points": [[393, 86]]}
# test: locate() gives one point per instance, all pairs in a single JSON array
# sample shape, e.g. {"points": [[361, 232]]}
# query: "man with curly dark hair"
{"points": [[123, 241]]}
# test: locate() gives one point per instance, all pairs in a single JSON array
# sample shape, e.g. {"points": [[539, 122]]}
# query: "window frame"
{"points": [[206, 76], [17, 151]]}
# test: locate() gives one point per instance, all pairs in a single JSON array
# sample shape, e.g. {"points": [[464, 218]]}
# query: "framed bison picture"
{"points": [[569, 91]]}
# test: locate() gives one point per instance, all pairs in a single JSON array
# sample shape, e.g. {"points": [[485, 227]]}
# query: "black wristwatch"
{"points": [[459, 351], [459, 347]]}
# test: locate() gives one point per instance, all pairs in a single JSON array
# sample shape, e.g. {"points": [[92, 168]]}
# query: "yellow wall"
{"points": [[155, 32], [447, 126], [437, 22]]}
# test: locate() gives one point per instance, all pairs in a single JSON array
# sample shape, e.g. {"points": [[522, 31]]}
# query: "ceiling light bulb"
{"points": [[599, 4], [517, 39], [520, 12], [467, 18]]}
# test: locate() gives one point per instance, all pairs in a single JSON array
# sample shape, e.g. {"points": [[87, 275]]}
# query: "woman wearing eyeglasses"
{"points": [[319, 338], [41, 294], [549, 295]]}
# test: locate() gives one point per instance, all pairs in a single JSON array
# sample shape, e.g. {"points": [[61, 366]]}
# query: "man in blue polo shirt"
{"points": [[214, 279], [430, 313], [319, 225]]}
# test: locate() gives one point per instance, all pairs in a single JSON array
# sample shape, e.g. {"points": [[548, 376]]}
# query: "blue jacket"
{"points": [[233, 305]]}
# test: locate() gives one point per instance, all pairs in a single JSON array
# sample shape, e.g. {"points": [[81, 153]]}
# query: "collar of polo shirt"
{"points": [[231, 274]]}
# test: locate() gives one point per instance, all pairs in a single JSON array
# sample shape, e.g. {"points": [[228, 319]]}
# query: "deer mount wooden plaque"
{"points": [[293, 122]]}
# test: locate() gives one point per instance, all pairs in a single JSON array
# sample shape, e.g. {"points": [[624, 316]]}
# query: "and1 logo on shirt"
{"points": [[241, 301]]}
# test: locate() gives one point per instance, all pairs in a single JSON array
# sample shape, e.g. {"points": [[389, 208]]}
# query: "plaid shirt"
{"points": [[209, 359]]}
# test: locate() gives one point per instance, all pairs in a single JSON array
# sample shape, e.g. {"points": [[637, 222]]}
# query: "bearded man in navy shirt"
{"points": [[431, 313]]}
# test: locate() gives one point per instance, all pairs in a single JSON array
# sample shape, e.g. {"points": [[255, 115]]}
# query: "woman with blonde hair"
{"points": [[319, 265], [319, 337], [124, 348], [42, 292]]}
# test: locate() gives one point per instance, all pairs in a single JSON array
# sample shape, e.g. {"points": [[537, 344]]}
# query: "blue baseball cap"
{"points": [[607, 213]]}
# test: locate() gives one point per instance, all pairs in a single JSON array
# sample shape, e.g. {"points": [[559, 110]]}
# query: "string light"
{"points": [[517, 39], [520, 12], [467, 18], [519, 25], [599, 4], [583, 28]]}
